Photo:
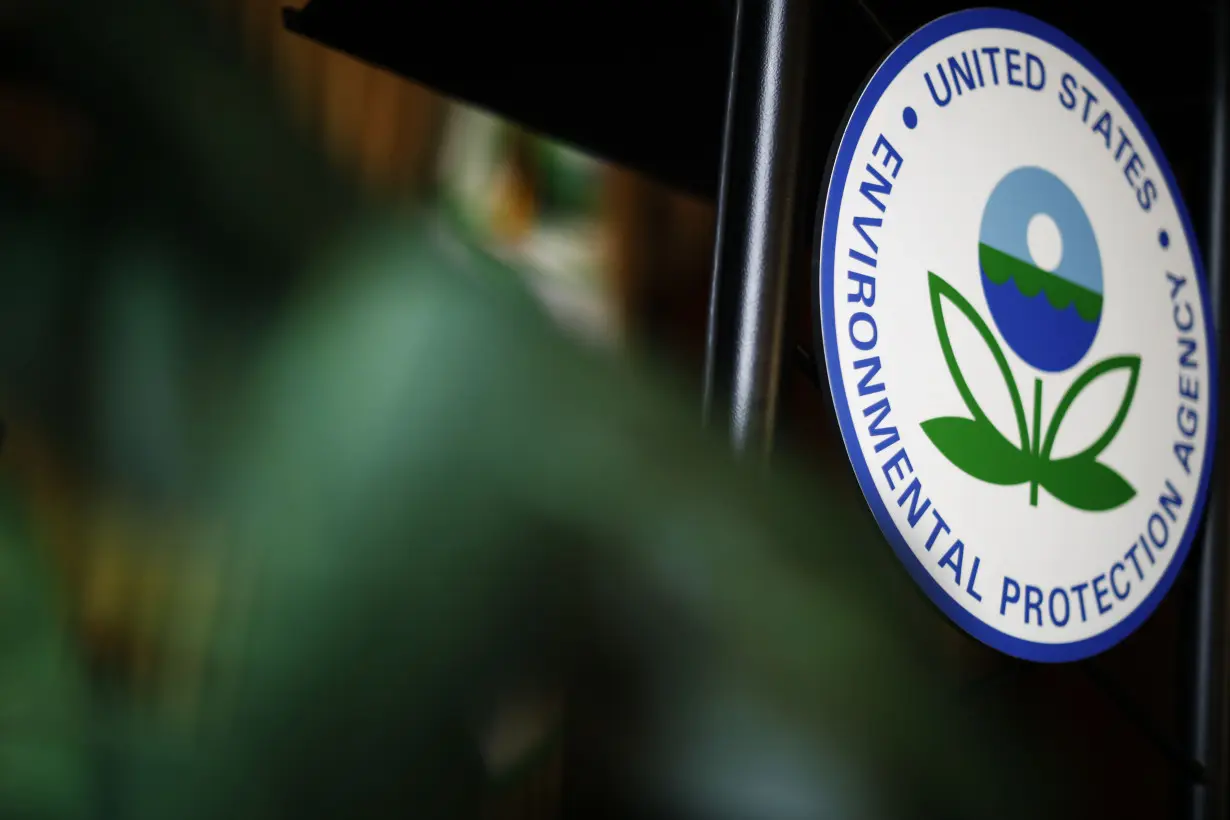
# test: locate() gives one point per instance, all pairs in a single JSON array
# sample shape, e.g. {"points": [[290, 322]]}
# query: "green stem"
{"points": [[1035, 447]]}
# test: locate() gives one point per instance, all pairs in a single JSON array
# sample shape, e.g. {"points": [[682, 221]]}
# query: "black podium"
{"points": [[740, 101]]}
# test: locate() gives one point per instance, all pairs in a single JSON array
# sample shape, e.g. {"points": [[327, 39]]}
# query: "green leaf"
{"points": [[1132, 365], [975, 447], [1086, 484], [941, 290]]}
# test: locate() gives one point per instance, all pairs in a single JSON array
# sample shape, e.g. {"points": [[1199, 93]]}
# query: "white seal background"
{"points": [[952, 160]]}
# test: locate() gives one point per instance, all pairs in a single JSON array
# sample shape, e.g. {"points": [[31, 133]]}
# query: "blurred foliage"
{"points": [[371, 490]]}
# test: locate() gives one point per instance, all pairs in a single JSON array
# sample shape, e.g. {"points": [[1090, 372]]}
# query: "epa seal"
{"points": [[1016, 328]]}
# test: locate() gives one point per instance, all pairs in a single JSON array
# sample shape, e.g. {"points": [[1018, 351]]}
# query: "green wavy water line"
{"points": [[1000, 267]]}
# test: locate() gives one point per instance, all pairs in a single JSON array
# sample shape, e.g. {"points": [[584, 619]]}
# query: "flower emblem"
{"points": [[1042, 278], [1041, 270]]}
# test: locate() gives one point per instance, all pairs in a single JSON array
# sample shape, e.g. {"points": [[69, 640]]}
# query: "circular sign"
{"points": [[1015, 321]]}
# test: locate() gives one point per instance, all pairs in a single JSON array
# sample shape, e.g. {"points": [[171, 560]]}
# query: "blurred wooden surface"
{"points": [[374, 124], [386, 131]]}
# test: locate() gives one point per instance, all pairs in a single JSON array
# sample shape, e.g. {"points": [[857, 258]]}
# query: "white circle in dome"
{"points": [[1044, 241]]}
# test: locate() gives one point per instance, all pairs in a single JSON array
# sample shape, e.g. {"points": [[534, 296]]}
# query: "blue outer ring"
{"points": [[888, 70]]}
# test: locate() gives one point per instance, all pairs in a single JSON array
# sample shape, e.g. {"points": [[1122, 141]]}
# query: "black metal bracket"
{"points": [[1206, 656], [755, 218]]}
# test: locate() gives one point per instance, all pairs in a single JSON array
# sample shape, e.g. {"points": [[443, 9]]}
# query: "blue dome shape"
{"points": [[1048, 317]]}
